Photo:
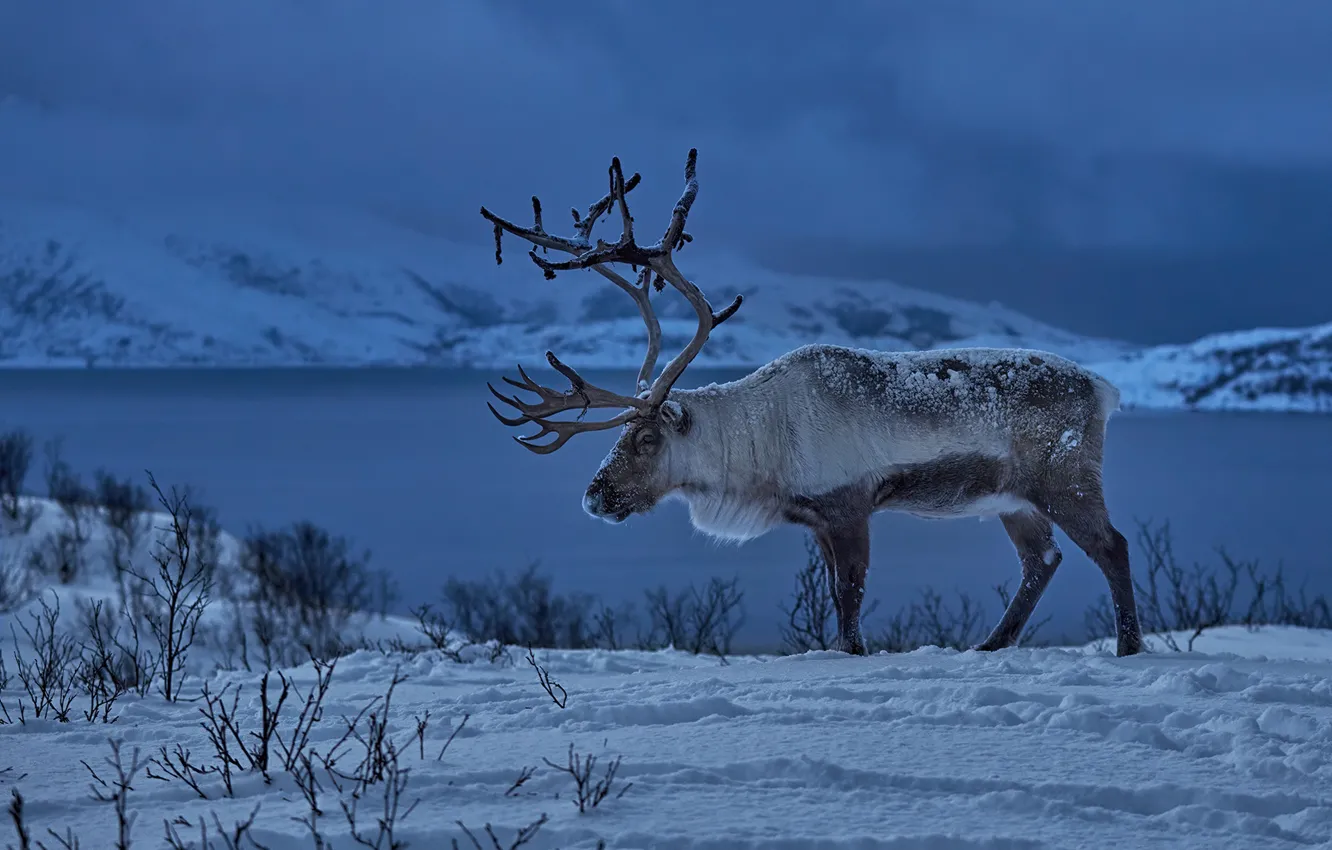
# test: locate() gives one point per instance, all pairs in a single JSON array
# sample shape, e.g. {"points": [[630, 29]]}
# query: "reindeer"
{"points": [[825, 436]]}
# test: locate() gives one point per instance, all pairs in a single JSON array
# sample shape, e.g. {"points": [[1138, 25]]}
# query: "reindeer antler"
{"points": [[655, 260]]}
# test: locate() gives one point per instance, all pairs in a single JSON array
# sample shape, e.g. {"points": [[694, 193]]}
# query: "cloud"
{"points": [[1096, 123]]}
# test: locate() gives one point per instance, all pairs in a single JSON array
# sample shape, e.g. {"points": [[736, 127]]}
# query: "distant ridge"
{"points": [[242, 286]]}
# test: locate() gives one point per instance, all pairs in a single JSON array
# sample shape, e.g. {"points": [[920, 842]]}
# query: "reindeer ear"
{"points": [[672, 415]]}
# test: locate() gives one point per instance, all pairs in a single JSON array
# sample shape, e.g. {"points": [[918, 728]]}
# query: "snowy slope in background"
{"points": [[246, 286], [287, 287], [1286, 369]]}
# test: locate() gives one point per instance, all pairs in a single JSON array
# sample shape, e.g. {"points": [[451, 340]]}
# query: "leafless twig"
{"points": [[547, 684], [117, 791], [521, 837], [452, 735], [523, 776]]}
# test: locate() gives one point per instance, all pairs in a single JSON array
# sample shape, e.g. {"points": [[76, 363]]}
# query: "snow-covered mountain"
{"points": [[246, 286], [1279, 369]]}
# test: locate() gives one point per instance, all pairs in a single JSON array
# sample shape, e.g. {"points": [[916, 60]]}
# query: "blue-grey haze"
{"points": [[410, 464]]}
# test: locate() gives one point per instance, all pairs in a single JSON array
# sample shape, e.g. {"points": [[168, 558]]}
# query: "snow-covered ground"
{"points": [[1228, 746], [228, 285], [932, 749]]}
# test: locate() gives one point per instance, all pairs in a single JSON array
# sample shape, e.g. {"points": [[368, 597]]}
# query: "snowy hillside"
{"points": [[284, 287], [246, 286], [1280, 369]]}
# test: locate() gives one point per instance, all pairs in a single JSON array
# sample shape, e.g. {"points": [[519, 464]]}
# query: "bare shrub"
{"points": [[76, 501], [365, 757], [394, 785], [15, 461], [116, 792], [49, 676], [63, 666], [237, 837], [19, 582], [175, 764], [381, 752], [932, 621], [16, 816], [206, 537], [114, 642], [589, 791], [221, 725], [520, 837], [267, 748], [237, 750], [125, 506], [304, 586], [68, 841], [59, 555], [811, 617], [433, 627], [612, 626], [107, 669], [177, 593], [524, 610], [519, 612], [696, 621], [1173, 598]]}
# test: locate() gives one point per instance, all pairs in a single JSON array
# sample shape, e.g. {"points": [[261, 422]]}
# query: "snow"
{"points": [[1226, 746], [1021, 748]]}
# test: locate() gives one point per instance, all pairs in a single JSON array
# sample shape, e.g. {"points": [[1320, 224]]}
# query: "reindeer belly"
{"points": [[954, 485]]}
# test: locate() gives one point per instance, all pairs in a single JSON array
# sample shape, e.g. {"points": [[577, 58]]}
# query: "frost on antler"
{"points": [[655, 268]]}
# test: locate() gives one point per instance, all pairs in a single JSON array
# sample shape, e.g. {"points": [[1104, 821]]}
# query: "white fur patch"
{"points": [[730, 520], [993, 505]]}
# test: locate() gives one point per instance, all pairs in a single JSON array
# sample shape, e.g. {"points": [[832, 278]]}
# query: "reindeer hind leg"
{"points": [[1081, 512], [1033, 537]]}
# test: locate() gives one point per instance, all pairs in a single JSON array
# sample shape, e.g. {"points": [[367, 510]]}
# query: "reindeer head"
{"points": [[634, 475]]}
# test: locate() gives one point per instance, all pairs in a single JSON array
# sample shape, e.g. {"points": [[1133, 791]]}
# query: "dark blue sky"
{"points": [[1150, 171]]}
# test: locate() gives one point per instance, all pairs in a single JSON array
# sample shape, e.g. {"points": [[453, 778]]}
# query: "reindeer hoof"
{"points": [[852, 647], [993, 645], [1128, 647]]}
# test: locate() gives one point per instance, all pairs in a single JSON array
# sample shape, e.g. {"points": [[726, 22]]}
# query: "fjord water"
{"points": [[410, 464]]}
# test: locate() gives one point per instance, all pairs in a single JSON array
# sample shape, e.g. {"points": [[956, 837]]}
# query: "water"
{"points": [[410, 464]]}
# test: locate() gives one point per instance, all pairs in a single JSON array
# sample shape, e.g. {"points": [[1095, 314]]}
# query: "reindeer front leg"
{"points": [[846, 549]]}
